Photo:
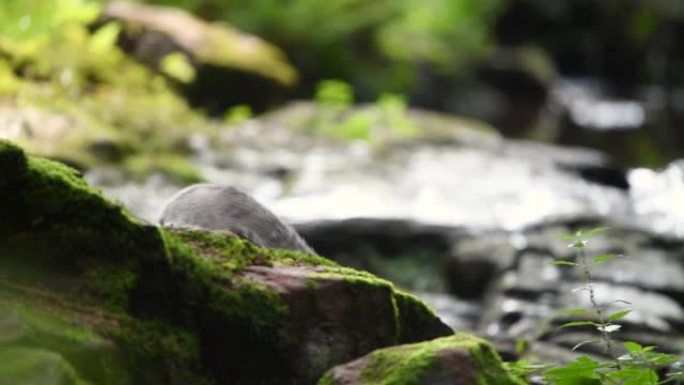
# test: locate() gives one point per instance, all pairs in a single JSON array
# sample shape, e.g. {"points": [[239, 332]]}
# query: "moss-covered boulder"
{"points": [[460, 359], [230, 66], [90, 294]]}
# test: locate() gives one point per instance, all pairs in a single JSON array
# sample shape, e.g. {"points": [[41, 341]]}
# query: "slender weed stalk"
{"points": [[640, 364]]}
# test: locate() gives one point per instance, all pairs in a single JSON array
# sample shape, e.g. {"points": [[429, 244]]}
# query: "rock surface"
{"points": [[455, 360], [90, 293]]}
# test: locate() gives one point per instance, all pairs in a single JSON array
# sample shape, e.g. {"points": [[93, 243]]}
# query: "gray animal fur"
{"points": [[213, 207]]}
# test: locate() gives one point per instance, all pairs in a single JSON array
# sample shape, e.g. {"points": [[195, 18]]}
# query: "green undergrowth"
{"points": [[80, 98]]}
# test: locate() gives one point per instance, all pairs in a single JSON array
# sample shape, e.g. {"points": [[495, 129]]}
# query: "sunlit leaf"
{"points": [[563, 263], [592, 232], [579, 345], [581, 371], [177, 66], [578, 245], [618, 315], [578, 324], [633, 347], [238, 114], [632, 376], [604, 258], [104, 39]]}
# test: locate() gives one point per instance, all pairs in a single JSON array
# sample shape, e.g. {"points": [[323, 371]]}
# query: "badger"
{"points": [[225, 208]]}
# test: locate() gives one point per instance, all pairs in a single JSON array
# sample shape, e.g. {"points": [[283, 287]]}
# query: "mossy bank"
{"points": [[91, 294]]}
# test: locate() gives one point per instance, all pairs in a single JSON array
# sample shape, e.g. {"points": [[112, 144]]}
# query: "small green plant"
{"points": [[638, 366], [376, 123], [238, 114], [335, 93]]}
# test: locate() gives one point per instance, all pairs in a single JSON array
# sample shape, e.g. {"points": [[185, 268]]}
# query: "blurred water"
{"points": [[508, 186], [657, 198]]}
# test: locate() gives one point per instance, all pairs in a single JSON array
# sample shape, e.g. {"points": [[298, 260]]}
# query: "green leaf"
{"points": [[574, 311], [177, 66], [578, 324], [581, 371], [563, 263], [578, 245], [579, 345], [104, 39], [604, 258], [238, 114], [633, 376], [633, 347], [594, 231], [618, 315], [521, 346]]}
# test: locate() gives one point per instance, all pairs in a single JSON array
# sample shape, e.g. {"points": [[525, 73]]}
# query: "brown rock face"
{"points": [[333, 318]]}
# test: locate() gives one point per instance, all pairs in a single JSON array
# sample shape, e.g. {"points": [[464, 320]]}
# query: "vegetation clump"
{"points": [[79, 98]]}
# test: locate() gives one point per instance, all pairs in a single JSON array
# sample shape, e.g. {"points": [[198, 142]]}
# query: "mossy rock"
{"points": [[460, 359], [224, 66], [105, 298]]}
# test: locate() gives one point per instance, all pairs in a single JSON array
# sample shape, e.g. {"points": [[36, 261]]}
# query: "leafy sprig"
{"points": [[639, 366]]}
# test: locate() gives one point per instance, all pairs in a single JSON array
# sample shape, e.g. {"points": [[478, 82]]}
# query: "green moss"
{"points": [[51, 220], [208, 263], [234, 253], [159, 353], [327, 379], [113, 283], [36, 366], [407, 364], [49, 343], [417, 321]]}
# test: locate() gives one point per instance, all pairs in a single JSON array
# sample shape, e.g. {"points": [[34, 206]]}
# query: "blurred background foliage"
{"points": [[375, 45], [500, 61]]}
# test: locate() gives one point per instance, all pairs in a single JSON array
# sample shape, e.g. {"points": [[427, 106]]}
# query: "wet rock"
{"points": [[533, 276], [455, 312], [455, 360], [476, 260], [512, 318]]}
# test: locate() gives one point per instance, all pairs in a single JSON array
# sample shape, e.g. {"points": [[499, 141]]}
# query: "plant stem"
{"points": [[589, 282]]}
